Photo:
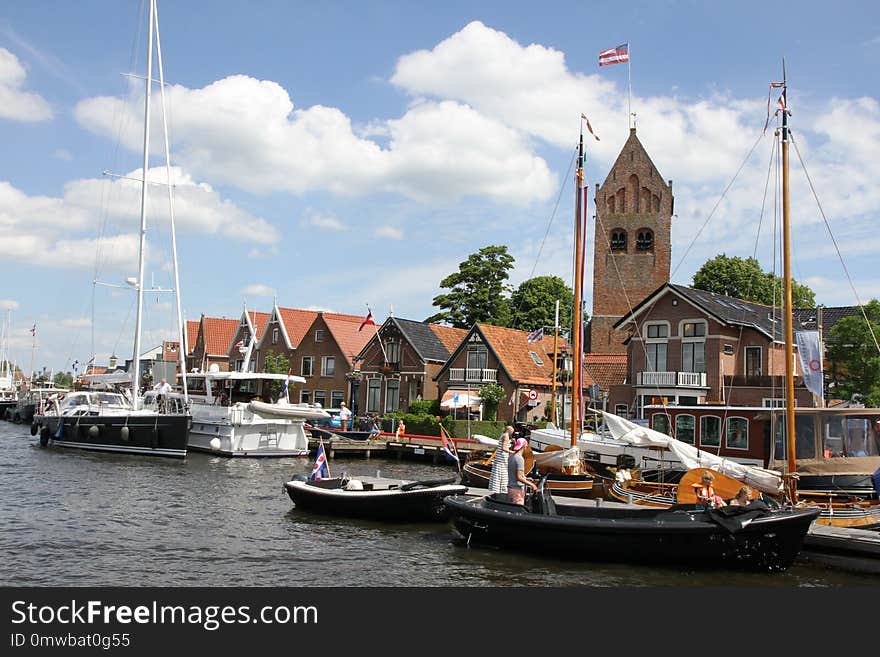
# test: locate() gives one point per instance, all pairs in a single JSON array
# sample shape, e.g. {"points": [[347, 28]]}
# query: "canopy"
{"points": [[767, 481], [460, 399]]}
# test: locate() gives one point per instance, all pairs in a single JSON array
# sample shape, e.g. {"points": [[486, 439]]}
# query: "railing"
{"points": [[672, 379], [472, 375]]}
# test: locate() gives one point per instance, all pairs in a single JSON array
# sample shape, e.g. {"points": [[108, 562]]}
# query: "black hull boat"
{"points": [[148, 434], [737, 538], [374, 498], [477, 474]]}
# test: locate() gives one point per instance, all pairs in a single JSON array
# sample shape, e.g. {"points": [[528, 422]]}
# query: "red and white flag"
{"points": [[589, 127], [617, 55], [368, 321], [781, 100]]}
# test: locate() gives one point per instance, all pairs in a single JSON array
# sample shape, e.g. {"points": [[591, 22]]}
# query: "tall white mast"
{"points": [[135, 381]]}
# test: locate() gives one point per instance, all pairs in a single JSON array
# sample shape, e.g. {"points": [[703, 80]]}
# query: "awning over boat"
{"points": [[460, 399]]}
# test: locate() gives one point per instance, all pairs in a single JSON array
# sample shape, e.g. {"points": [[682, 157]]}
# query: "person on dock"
{"points": [[344, 415], [401, 429], [516, 474], [706, 496], [498, 476], [374, 427]]}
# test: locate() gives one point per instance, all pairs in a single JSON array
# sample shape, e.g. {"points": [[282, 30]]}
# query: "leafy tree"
{"points": [[63, 380], [491, 394], [533, 303], [276, 364], [477, 290], [855, 362], [744, 279]]}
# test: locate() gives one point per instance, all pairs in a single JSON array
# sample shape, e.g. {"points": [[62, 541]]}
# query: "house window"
{"points": [[321, 397], [319, 335], [684, 428], [737, 433], [618, 240], [660, 422], [656, 336], [753, 361], [645, 240], [305, 396], [328, 365], [308, 365], [274, 336], [392, 395], [374, 392], [336, 398], [693, 355], [392, 351], [239, 364], [710, 431], [622, 410], [477, 358], [535, 358]]}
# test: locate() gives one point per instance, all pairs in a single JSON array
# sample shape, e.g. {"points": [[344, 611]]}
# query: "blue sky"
{"points": [[337, 154]]}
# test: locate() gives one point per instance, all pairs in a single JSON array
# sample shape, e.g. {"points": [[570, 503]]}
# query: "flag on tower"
{"points": [[617, 55]]}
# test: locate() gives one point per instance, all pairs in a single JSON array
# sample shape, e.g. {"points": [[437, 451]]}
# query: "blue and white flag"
{"points": [[536, 335], [283, 395], [320, 470], [810, 356]]}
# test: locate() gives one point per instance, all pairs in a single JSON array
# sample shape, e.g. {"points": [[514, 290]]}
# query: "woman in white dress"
{"points": [[498, 476]]}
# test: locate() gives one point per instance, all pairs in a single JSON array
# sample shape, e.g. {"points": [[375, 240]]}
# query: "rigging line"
{"points": [[717, 203], [834, 241], [553, 214]]}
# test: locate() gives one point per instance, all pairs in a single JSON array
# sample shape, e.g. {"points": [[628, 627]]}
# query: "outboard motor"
{"points": [[541, 501]]}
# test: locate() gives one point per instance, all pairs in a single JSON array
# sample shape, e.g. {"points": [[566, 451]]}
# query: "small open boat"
{"points": [[376, 498], [752, 537], [284, 410]]}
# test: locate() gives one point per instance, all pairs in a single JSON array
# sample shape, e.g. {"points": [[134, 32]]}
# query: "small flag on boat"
{"points": [[34, 329], [283, 395], [536, 335], [368, 321], [589, 127], [320, 470], [448, 445], [616, 55], [781, 100]]}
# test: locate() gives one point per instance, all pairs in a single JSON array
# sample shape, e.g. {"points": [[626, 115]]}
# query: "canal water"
{"points": [[72, 518]]}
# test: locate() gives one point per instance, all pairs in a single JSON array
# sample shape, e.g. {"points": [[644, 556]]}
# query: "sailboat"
{"points": [[113, 422], [748, 537], [8, 390]]}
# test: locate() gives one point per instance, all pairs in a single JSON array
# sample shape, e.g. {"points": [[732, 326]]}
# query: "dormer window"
{"points": [[645, 240], [618, 240]]}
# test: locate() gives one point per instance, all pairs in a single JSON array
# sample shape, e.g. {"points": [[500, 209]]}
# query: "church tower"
{"points": [[633, 245]]}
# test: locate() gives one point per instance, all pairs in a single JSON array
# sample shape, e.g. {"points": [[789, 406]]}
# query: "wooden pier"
{"points": [[424, 448]]}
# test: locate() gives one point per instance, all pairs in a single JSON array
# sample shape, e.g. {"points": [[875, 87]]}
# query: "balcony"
{"points": [[472, 375], [672, 379]]}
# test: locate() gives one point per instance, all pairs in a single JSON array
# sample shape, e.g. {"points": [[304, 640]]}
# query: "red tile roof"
{"points": [[512, 348], [344, 329], [297, 323], [217, 334], [259, 321], [605, 369], [192, 334], [450, 336]]}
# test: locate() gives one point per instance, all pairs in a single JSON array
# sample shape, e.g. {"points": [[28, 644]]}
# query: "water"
{"points": [[71, 518]]}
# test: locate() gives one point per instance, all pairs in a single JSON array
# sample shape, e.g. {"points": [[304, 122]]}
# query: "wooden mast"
{"points": [[576, 318], [555, 358], [786, 263]]}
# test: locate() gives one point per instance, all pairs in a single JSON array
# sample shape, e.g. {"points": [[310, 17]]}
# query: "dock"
{"points": [[409, 446], [856, 550]]}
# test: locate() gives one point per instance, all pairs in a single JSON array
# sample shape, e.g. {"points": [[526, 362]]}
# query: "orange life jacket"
{"points": [[705, 494]]}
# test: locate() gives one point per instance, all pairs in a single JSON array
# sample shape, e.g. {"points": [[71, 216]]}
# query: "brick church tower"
{"points": [[633, 247]]}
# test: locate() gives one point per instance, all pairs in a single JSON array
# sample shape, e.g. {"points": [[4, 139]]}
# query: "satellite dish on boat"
{"points": [[214, 367]]}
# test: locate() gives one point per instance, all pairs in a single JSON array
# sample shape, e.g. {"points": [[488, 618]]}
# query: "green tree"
{"points": [[491, 394], [744, 279], [533, 303], [852, 353], [276, 364], [63, 380], [477, 290]]}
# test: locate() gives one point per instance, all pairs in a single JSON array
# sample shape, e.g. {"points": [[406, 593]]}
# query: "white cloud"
{"points": [[15, 103], [389, 232], [8, 304], [76, 322], [258, 290], [323, 221]]}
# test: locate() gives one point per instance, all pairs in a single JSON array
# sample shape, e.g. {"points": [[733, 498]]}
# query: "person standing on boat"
{"points": [[516, 474], [344, 415], [162, 389], [498, 476]]}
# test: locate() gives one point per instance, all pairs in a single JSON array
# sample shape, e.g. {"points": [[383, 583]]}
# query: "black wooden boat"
{"points": [[748, 538], [374, 498]]}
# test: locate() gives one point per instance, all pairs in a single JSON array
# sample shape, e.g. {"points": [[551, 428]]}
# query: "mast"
{"points": [[577, 333], [555, 357], [786, 263], [136, 374]]}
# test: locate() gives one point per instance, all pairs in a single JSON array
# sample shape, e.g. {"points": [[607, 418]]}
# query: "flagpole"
{"points": [[33, 349], [629, 82]]}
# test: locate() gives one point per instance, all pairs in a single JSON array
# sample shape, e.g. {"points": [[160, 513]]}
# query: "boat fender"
{"points": [[354, 484], [299, 477], [124, 433], [44, 436], [34, 428], [215, 443], [94, 431]]}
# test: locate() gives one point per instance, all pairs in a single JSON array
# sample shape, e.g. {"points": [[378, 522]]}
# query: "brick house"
{"points": [[284, 330], [243, 346], [398, 364], [211, 346]]}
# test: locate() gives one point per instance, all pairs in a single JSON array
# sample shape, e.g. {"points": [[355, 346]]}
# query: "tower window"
{"points": [[618, 240], [645, 240]]}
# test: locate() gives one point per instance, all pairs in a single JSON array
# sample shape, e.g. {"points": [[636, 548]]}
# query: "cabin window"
{"points": [[374, 393], [535, 358], [684, 428], [660, 422], [319, 335], [336, 398], [392, 395], [710, 431], [850, 436], [305, 396], [753, 361], [618, 239], [274, 336], [328, 365], [645, 240], [737, 433], [321, 397], [308, 365]]}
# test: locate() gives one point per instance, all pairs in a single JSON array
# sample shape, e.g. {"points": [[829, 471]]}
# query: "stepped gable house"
{"points": [[632, 249]]}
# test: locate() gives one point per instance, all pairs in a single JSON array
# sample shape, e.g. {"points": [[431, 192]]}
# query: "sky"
{"points": [[339, 155]]}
